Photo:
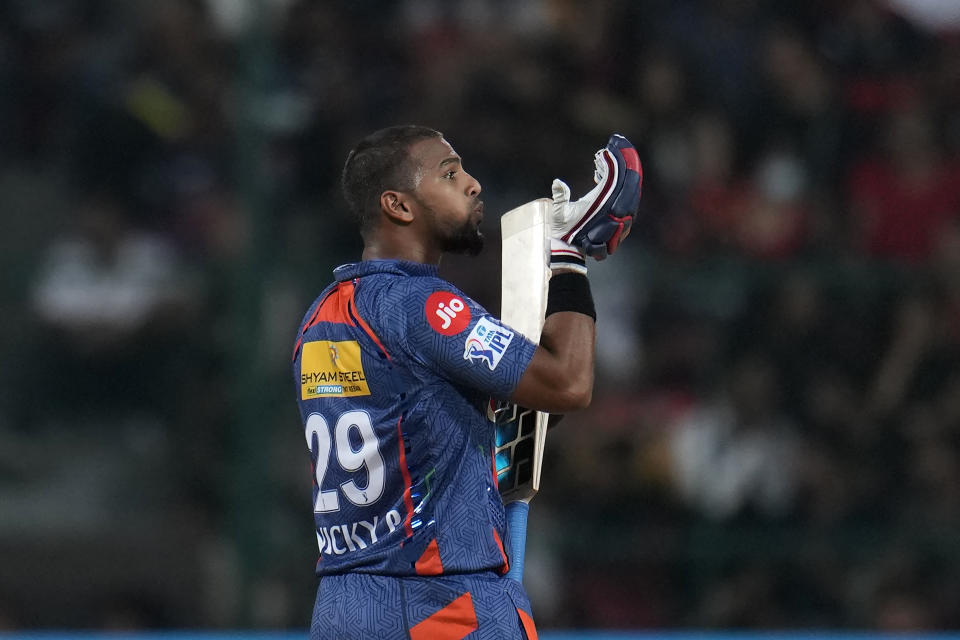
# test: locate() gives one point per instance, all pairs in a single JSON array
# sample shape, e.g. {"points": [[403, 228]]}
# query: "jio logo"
{"points": [[447, 313]]}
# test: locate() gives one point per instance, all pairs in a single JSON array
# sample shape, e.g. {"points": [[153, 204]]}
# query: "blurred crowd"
{"points": [[775, 435]]}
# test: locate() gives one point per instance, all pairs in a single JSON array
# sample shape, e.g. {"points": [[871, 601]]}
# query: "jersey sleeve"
{"points": [[449, 334]]}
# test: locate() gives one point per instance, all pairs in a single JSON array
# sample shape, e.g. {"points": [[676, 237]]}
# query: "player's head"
{"points": [[409, 177]]}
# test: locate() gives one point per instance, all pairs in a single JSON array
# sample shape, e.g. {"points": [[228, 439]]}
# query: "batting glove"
{"points": [[597, 223]]}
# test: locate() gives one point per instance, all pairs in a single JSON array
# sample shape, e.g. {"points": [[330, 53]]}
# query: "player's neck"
{"points": [[409, 252]]}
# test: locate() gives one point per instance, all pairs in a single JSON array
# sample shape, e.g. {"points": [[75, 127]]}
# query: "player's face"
{"points": [[449, 197]]}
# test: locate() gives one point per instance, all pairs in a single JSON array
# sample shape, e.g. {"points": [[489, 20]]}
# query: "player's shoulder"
{"points": [[422, 287], [399, 297], [312, 307], [419, 295]]}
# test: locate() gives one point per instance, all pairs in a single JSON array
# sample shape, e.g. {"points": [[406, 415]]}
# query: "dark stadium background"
{"points": [[774, 441]]}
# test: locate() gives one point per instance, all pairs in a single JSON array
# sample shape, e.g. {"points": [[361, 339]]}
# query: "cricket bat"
{"points": [[521, 432]]}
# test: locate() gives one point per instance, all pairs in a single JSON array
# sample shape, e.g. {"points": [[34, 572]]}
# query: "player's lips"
{"points": [[479, 210]]}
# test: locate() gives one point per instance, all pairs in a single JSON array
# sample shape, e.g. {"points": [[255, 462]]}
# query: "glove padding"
{"points": [[597, 223]]}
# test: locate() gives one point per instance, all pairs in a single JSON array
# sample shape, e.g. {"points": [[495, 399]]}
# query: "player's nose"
{"points": [[473, 186]]}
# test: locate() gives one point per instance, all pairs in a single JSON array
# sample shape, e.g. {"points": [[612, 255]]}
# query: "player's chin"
{"points": [[473, 244], [469, 241], [476, 245]]}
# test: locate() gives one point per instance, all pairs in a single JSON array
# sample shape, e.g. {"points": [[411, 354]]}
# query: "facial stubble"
{"points": [[465, 239]]}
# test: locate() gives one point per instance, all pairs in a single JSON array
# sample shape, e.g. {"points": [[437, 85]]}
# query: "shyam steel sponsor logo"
{"points": [[332, 369]]}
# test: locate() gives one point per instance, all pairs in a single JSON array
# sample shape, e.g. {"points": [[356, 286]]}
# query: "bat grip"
{"points": [[517, 537]]}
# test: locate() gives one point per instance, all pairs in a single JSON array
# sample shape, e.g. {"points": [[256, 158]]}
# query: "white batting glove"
{"points": [[596, 223], [564, 213]]}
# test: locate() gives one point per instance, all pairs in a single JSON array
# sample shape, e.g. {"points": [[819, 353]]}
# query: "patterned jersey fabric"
{"points": [[478, 606], [394, 368]]}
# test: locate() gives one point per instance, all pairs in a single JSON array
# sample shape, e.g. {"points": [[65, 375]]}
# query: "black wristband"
{"points": [[570, 291]]}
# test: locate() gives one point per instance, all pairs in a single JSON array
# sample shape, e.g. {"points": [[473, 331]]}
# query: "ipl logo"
{"points": [[487, 343], [477, 353]]}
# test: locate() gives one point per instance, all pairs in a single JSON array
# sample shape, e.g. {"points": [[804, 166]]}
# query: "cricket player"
{"points": [[394, 369]]}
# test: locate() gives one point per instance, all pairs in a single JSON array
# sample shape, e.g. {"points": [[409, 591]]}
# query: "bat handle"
{"points": [[517, 536]]}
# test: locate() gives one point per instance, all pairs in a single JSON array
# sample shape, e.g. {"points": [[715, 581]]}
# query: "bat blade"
{"points": [[521, 432]]}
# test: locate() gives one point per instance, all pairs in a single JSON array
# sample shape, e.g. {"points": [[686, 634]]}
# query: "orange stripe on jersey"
{"points": [[405, 471], [363, 325], [455, 621], [333, 308], [506, 563], [528, 625], [340, 307], [429, 563]]}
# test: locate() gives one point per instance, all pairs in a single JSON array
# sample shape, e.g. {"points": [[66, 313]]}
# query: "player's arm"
{"points": [[559, 377]]}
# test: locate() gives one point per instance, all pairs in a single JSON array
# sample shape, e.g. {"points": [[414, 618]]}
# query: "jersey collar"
{"points": [[397, 267]]}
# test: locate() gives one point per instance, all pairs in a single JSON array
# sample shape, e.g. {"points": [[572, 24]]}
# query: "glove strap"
{"points": [[566, 256]]}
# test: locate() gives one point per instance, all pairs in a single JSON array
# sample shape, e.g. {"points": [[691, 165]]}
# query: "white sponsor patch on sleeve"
{"points": [[487, 342]]}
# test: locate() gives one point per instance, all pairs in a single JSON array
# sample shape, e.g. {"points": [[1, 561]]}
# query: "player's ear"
{"points": [[396, 206]]}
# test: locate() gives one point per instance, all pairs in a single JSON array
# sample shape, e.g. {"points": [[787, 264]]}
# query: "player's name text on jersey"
{"points": [[339, 539]]}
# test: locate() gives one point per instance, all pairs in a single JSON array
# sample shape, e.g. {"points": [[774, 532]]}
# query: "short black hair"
{"points": [[379, 162]]}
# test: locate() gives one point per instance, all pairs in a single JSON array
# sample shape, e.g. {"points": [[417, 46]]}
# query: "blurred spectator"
{"points": [[736, 452], [940, 16], [902, 198], [110, 300], [764, 216], [698, 224], [924, 347]]}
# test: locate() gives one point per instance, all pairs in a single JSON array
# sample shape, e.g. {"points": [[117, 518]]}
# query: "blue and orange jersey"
{"points": [[394, 368]]}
